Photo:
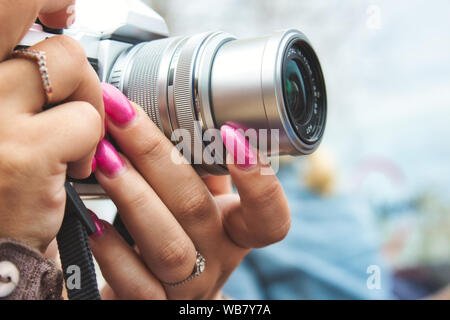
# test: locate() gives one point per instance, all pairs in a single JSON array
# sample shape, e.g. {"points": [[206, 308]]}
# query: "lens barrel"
{"points": [[207, 80]]}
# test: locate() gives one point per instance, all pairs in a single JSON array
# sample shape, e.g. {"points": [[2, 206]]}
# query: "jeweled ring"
{"points": [[41, 59], [200, 264]]}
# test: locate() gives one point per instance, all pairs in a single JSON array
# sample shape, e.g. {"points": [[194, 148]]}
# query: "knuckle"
{"points": [[271, 191], [89, 123], [195, 206], [91, 118], [175, 254], [139, 202], [71, 49], [262, 196], [280, 232], [51, 199], [272, 234], [150, 147]]}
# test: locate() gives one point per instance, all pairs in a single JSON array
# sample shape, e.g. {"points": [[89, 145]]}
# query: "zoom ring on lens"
{"points": [[184, 99], [143, 78]]}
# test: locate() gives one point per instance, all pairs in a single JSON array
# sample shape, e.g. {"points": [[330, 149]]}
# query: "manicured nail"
{"points": [[117, 106], [98, 224], [108, 159], [93, 165], [239, 148]]}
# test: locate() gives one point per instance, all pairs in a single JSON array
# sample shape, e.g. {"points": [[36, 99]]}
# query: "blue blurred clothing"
{"points": [[326, 254]]}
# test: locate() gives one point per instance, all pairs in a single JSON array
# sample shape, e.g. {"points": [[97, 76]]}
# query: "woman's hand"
{"points": [[171, 213], [38, 147]]}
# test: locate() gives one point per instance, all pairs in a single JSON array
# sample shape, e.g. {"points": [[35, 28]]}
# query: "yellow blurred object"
{"points": [[320, 172]]}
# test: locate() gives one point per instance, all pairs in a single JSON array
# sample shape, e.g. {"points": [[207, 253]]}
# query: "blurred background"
{"points": [[385, 155]]}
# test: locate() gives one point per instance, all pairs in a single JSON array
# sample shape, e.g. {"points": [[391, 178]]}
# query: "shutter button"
{"points": [[9, 278]]}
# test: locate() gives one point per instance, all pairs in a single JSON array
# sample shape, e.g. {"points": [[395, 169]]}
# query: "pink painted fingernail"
{"points": [[117, 106], [98, 224], [238, 147], [94, 165], [108, 159]]}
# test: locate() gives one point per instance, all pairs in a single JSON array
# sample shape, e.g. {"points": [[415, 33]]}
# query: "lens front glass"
{"points": [[304, 91], [296, 92]]}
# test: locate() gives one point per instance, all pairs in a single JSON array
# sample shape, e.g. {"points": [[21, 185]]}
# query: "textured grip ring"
{"points": [[183, 93]]}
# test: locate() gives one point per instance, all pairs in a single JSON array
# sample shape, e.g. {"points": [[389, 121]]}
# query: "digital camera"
{"points": [[204, 81]]}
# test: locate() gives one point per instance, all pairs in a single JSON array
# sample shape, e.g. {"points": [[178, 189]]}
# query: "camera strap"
{"points": [[75, 251]]}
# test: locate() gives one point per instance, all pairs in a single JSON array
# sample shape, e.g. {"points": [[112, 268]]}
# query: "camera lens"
{"points": [[303, 86], [202, 82]]}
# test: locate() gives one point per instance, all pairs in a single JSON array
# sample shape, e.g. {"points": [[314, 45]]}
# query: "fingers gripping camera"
{"points": [[272, 84]]}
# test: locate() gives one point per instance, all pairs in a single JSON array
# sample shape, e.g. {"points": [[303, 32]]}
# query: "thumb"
{"points": [[58, 14], [263, 215]]}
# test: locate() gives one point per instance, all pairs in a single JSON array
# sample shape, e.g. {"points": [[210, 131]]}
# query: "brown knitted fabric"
{"points": [[40, 279]]}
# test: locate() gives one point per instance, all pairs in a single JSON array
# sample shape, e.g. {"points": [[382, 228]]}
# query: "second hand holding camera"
{"points": [[196, 83]]}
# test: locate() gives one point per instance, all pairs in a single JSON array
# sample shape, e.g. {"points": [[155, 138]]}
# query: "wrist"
{"points": [[30, 242]]}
